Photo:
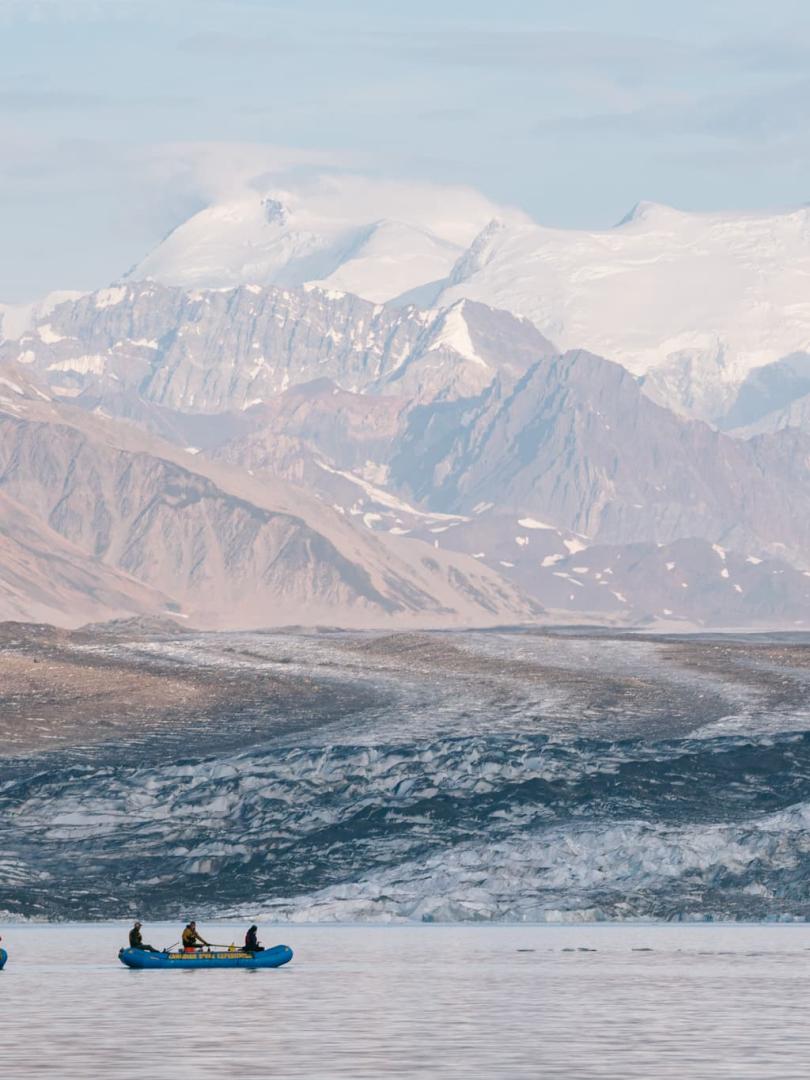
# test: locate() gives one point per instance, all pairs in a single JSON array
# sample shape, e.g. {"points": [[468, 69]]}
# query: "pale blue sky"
{"points": [[119, 117]]}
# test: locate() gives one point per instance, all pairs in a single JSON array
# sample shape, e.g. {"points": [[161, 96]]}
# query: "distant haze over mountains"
{"points": [[286, 413]]}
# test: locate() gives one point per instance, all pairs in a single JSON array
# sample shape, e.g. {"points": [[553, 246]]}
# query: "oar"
{"points": [[209, 945]]}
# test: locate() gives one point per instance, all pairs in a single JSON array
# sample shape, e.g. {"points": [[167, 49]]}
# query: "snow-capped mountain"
{"points": [[347, 345], [333, 241], [440, 434], [691, 302]]}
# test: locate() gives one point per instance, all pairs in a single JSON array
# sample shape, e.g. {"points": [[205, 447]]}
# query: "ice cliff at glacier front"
{"points": [[475, 828]]}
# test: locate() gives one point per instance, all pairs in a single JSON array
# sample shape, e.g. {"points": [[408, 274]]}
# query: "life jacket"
{"points": [[189, 938]]}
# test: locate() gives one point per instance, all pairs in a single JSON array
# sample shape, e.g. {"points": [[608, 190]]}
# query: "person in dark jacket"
{"points": [[252, 940], [136, 940], [191, 939]]}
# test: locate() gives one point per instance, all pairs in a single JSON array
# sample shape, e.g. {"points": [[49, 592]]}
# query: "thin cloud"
{"points": [[635, 55], [226, 44], [65, 11], [60, 101], [760, 116]]}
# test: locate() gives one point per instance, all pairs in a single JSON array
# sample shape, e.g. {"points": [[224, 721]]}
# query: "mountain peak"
{"points": [[645, 210], [275, 212], [379, 240]]}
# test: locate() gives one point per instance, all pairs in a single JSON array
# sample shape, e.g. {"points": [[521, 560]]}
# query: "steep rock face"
{"points": [[215, 352], [310, 428], [771, 397], [172, 528], [577, 443], [794, 415], [44, 577]]}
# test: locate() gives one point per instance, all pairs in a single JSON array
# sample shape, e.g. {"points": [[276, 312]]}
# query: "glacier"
{"points": [[480, 828], [453, 777]]}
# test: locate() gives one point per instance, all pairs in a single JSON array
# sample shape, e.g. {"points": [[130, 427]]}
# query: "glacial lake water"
{"points": [[417, 1001]]}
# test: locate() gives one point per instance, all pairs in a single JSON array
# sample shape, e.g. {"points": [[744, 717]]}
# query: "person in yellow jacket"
{"points": [[191, 939]]}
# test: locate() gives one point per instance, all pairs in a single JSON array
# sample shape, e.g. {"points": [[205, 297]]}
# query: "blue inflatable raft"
{"points": [[207, 958], [3, 958]]}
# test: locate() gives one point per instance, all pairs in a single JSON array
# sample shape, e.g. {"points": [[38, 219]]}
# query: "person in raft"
{"points": [[191, 939], [136, 940], [252, 940]]}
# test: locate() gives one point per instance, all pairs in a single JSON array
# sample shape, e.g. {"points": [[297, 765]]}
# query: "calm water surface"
{"points": [[707, 1001]]}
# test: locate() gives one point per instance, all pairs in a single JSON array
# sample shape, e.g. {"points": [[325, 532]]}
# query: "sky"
{"points": [[120, 118]]}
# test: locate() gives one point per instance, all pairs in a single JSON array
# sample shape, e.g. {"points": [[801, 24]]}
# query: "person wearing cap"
{"points": [[136, 941], [252, 940], [191, 939]]}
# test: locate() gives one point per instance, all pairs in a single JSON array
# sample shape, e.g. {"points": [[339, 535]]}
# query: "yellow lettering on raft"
{"points": [[212, 956]]}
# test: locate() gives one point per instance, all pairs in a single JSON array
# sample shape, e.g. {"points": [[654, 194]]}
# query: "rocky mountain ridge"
{"points": [[267, 455], [577, 440], [163, 531], [223, 351]]}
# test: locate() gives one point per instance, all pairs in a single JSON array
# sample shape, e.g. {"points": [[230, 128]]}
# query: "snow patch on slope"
{"points": [[82, 365], [454, 333]]}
